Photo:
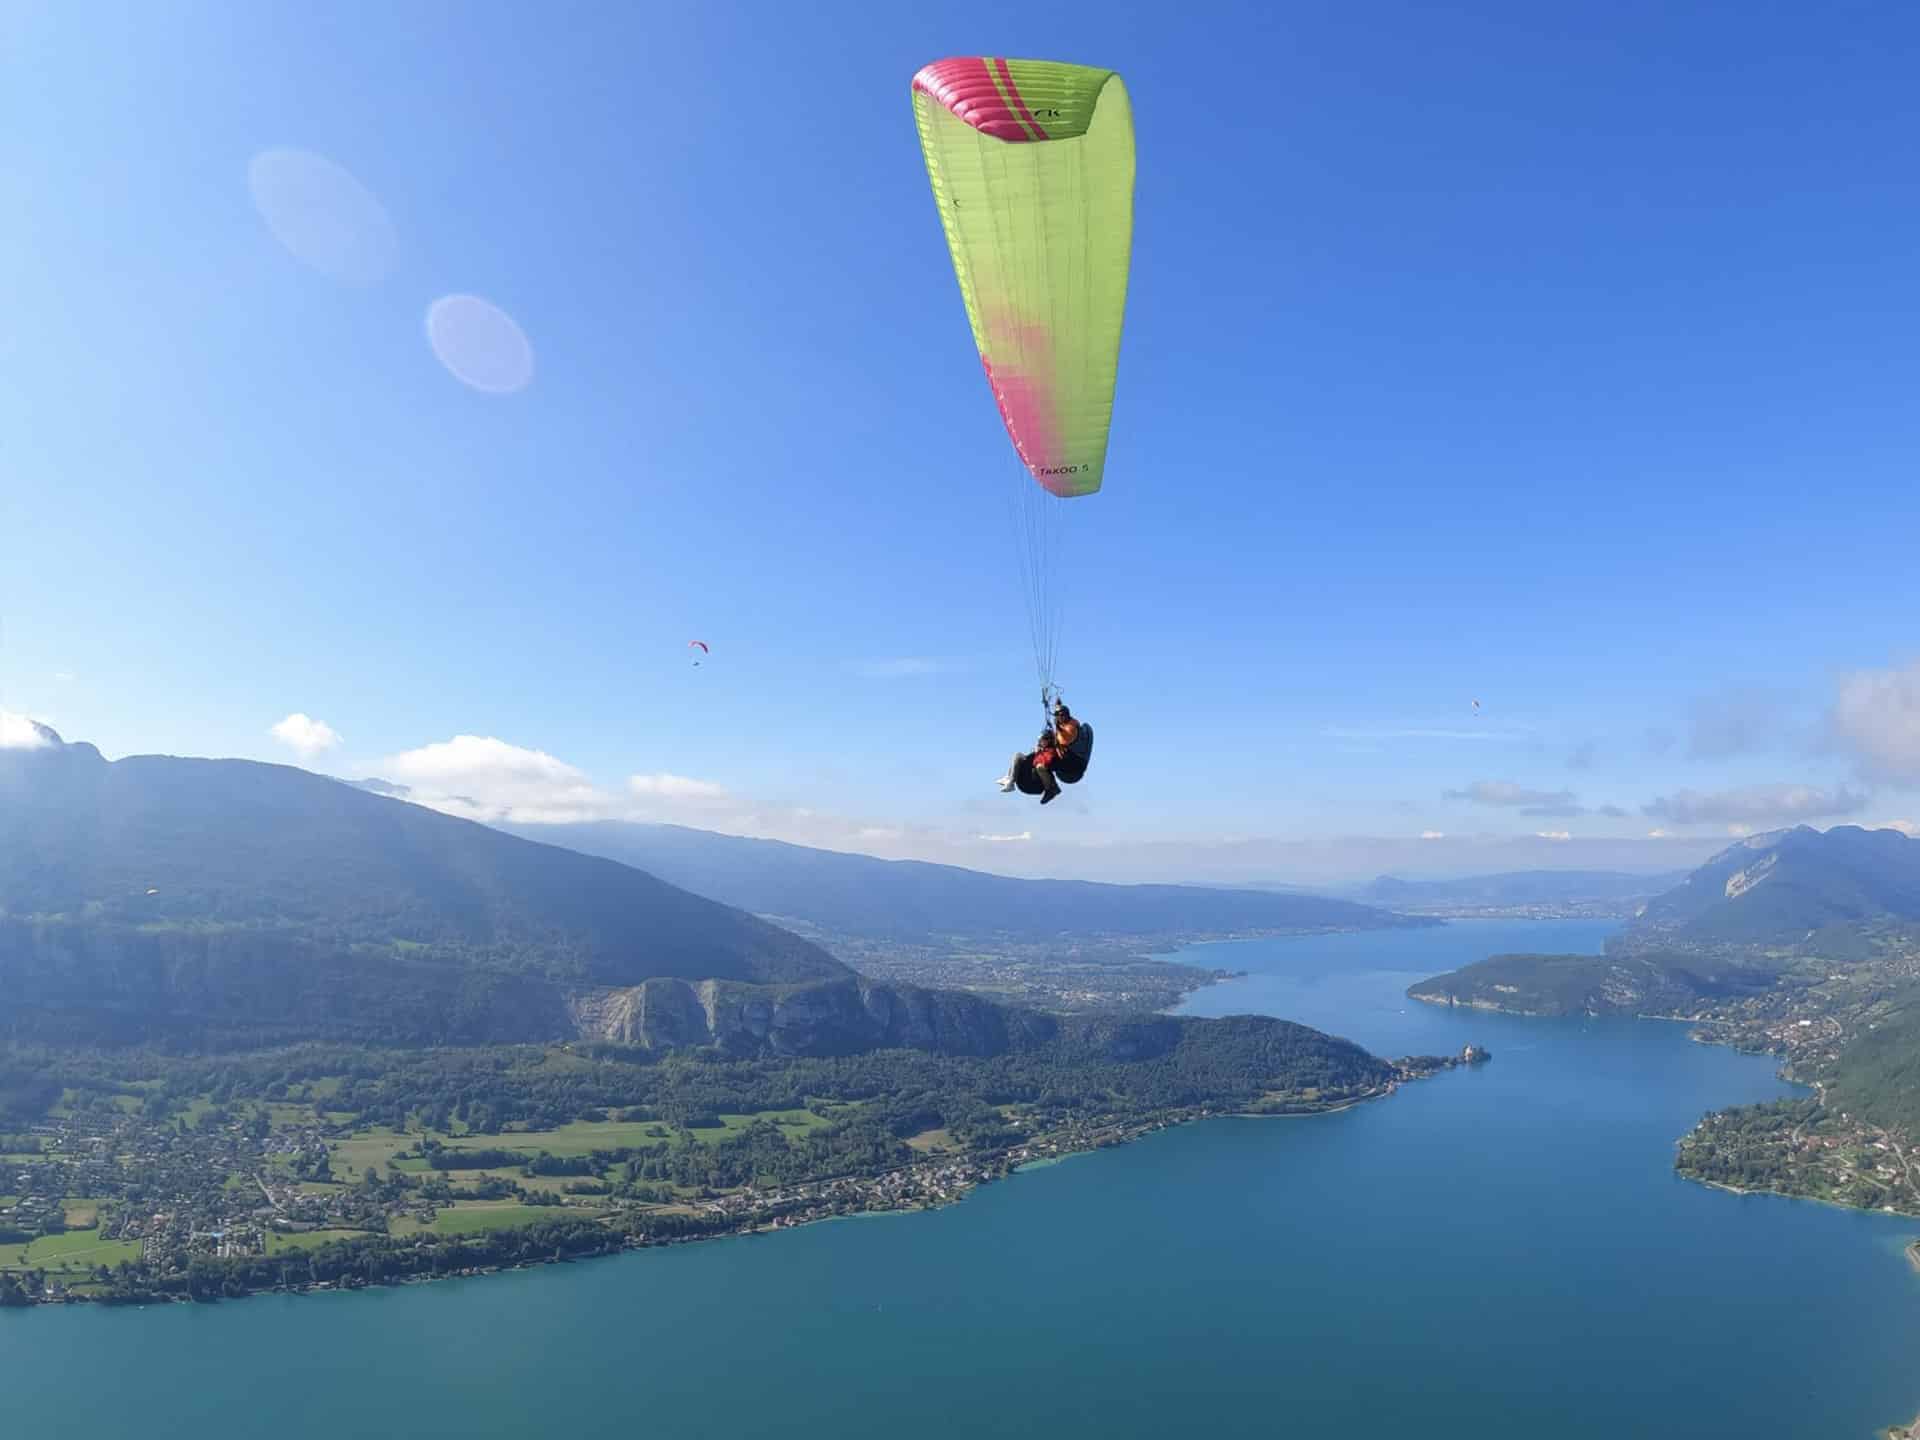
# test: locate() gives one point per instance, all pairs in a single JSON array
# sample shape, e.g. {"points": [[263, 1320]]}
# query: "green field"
{"points": [[378, 1148], [197, 1110], [279, 1244], [76, 1250], [374, 1147], [583, 1137], [70, 1100], [580, 1138], [553, 1184], [795, 1122], [470, 1218]]}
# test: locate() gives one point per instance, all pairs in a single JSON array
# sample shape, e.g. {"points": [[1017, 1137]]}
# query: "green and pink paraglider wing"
{"points": [[1032, 168]]}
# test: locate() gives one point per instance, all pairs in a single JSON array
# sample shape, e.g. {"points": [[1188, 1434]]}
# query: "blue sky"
{"points": [[1561, 357]]}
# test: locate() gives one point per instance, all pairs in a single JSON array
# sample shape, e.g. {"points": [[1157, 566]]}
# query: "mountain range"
{"points": [[221, 902], [863, 896], [209, 903], [1731, 928], [1788, 885], [1519, 889]]}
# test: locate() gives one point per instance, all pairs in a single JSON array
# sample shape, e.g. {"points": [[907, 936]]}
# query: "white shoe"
{"points": [[1005, 782]]}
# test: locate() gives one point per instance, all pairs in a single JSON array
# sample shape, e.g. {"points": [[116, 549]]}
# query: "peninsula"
{"points": [[1800, 944]]}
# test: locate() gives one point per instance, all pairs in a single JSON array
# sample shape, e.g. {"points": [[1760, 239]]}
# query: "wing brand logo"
{"points": [[1061, 469], [1046, 113]]}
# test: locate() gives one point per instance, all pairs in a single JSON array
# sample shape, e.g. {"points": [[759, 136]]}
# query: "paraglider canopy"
{"points": [[1032, 166], [701, 646]]}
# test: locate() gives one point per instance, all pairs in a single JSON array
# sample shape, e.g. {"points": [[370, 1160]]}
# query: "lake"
{"points": [[1496, 1252]]}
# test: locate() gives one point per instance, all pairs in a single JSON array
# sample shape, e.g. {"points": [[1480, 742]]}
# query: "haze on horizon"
{"points": [[395, 393]]}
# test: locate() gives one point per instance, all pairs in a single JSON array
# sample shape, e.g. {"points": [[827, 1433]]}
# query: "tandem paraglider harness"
{"points": [[1071, 763]]}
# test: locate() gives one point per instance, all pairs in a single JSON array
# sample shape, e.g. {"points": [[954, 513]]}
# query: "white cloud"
{"points": [[1552, 835], [1433, 834], [483, 778], [1876, 716], [1006, 839], [1753, 805], [900, 668], [304, 735], [19, 732], [63, 677], [1658, 834], [662, 786]]}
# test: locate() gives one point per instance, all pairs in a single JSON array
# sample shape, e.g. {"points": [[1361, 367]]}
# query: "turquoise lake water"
{"points": [[1502, 1252]]}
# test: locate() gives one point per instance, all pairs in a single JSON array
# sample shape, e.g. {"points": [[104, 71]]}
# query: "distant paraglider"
{"points": [[701, 646], [1476, 709]]}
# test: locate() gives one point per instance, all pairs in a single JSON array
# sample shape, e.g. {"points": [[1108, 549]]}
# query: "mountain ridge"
{"points": [[1730, 929], [863, 895], [227, 904], [149, 841], [158, 899], [1610, 892], [1786, 886]]}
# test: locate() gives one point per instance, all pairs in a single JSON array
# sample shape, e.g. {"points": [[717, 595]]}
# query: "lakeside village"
{"points": [[1810, 1146], [110, 1204]]}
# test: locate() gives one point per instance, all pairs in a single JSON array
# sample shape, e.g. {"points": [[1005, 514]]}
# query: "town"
{"points": [[1815, 1145], [111, 1198]]}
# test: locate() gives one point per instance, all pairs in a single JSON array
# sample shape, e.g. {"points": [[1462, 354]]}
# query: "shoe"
{"points": [[1005, 782], [1050, 796]]}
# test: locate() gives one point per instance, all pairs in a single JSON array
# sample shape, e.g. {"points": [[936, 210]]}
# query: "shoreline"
{"points": [[1339, 1109], [996, 1166], [1780, 1073], [1912, 1250]]}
